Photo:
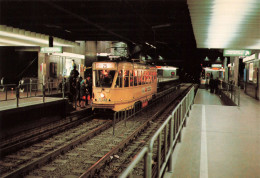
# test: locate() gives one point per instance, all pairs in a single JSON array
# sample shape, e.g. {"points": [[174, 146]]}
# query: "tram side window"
{"points": [[126, 78], [150, 77], [135, 77], [104, 78], [146, 77], [131, 78], [143, 77], [119, 81], [139, 77]]}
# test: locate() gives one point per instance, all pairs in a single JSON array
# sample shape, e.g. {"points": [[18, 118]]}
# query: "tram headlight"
{"points": [[102, 95]]}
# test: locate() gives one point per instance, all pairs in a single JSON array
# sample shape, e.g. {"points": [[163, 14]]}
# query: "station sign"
{"points": [[56, 49], [249, 58], [233, 52]]}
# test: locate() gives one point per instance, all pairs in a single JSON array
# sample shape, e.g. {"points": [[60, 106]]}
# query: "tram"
{"points": [[167, 73], [119, 85]]}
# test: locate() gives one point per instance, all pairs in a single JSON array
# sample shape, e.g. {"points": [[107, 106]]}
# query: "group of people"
{"points": [[80, 89], [212, 84]]}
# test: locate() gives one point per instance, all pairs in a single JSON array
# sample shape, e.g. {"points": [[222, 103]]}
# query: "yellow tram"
{"points": [[118, 85]]}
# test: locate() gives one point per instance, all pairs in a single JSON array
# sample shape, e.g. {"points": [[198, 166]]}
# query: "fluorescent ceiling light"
{"points": [[226, 21], [18, 37], [15, 43], [72, 55], [256, 45], [226, 24], [23, 37]]}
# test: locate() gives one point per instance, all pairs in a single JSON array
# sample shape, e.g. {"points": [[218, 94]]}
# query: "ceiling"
{"points": [[163, 23], [170, 25], [233, 24]]}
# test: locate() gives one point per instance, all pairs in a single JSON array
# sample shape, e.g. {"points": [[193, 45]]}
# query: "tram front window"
{"points": [[104, 78]]}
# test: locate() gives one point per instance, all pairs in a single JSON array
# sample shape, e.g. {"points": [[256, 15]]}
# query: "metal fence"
{"points": [[165, 138], [131, 111], [231, 91], [34, 88]]}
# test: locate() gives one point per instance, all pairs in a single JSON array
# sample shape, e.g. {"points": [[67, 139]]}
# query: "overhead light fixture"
{"points": [[218, 59], [255, 46], [14, 43], [23, 37], [20, 37], [72, 55], [226, 22], [161, 26], [206, 59]]}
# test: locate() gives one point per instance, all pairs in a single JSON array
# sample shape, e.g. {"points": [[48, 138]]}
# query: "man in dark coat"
{"points": [[73, 80]]}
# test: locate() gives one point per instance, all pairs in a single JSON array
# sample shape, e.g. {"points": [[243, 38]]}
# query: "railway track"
{"points": [[88, 158], [129, 152], [87, 147], [16, 164], [25, 138]]}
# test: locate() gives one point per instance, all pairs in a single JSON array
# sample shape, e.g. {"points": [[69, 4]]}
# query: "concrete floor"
{"points": [[219, 141]]}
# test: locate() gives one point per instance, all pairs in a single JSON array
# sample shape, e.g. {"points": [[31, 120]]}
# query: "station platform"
{"points": [[218, 140], [25, 102]]}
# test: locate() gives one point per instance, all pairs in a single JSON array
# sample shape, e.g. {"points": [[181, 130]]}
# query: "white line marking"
{"points": [[203, 147]]}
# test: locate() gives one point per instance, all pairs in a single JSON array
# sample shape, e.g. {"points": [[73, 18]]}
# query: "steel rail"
{"points": [[15, 145], [93, 169], [59, 150]]}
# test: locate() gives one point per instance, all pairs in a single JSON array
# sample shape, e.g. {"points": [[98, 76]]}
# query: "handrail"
{"points": [[176, 121], [132, 110], [31, 89], [142, 154]]}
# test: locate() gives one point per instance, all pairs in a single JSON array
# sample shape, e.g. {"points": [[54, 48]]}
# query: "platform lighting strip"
{"points": [[219, 23], [13, 35], [4, 42], [257, 44], [72, 55], [227, 20]]}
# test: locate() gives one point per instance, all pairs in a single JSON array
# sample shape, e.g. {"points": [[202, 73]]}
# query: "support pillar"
{"points": [[236, 70]]}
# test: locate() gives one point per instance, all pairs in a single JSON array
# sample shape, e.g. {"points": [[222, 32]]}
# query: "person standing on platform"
{"points": [[78, 90], [83, 93], [73, 79], [89, 88], [217, 82], [211, 84], [207, 83]]}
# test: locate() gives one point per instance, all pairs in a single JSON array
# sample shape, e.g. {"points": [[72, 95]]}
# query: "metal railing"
{"points": [[166, 137], [132, 110], [231, 91], [33, 89]]}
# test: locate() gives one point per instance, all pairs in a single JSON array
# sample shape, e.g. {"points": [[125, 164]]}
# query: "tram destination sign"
{"points": [[56, 49], [233, 52]]}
